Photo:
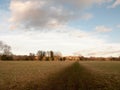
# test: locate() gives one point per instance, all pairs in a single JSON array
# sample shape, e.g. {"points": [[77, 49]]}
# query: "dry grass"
{"points": [[86, 75], [16, 75], [102, 75]]}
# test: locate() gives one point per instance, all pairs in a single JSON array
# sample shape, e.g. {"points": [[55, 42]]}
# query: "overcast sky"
{"points": [[73, 27]]}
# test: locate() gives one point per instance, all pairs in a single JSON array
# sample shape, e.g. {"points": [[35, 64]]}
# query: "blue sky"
{"points": [[74, 27]]}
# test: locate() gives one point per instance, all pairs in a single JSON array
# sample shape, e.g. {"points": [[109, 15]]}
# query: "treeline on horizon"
{"points": [[53, 56], [6, 55]]}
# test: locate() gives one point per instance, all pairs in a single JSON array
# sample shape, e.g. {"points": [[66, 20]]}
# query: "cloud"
{"points": [[102, 29], [13, 27], [118, 26], [48, 13], [103, 50], [115, 4], [106, 53], [69, 41], [87, 16], [35, 14]]}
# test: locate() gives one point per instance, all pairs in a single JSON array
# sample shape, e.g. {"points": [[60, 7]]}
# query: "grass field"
{"points": [[56, 75]]}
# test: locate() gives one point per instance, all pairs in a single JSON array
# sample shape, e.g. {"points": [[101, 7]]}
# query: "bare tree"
{"points": [[1, 47], [52, 55], [5, 52], [41, 54], [31, 56], [5, 49]]}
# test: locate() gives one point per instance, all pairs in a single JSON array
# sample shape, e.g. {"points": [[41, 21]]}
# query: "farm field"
{"points": [[102, 75], [59, 75]]}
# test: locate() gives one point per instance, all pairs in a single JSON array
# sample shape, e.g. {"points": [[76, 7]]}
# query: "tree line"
{"points": [[39, 56], [5, 51], [6, 55]]}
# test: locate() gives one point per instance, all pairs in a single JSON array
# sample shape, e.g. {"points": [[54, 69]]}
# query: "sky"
{"points": [[72, 27]]}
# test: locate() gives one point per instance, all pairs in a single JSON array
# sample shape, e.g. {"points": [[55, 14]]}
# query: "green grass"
{"points": [[56, 75]]}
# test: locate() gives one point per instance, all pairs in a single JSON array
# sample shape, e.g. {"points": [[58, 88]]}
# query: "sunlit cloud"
{"points": [[49, 13], [102, 29], [103, 50], [59, 25], [72, 42]]}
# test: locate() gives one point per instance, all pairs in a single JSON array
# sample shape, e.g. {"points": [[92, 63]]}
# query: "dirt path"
{"points": [[68, 79], [74, 77]]}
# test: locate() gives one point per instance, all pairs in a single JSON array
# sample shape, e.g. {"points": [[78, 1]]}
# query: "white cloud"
{"points": [[103, 50], [36, 14], [45, 13], [115, 4], [56, 14], [68, 42], [103, 29]]}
